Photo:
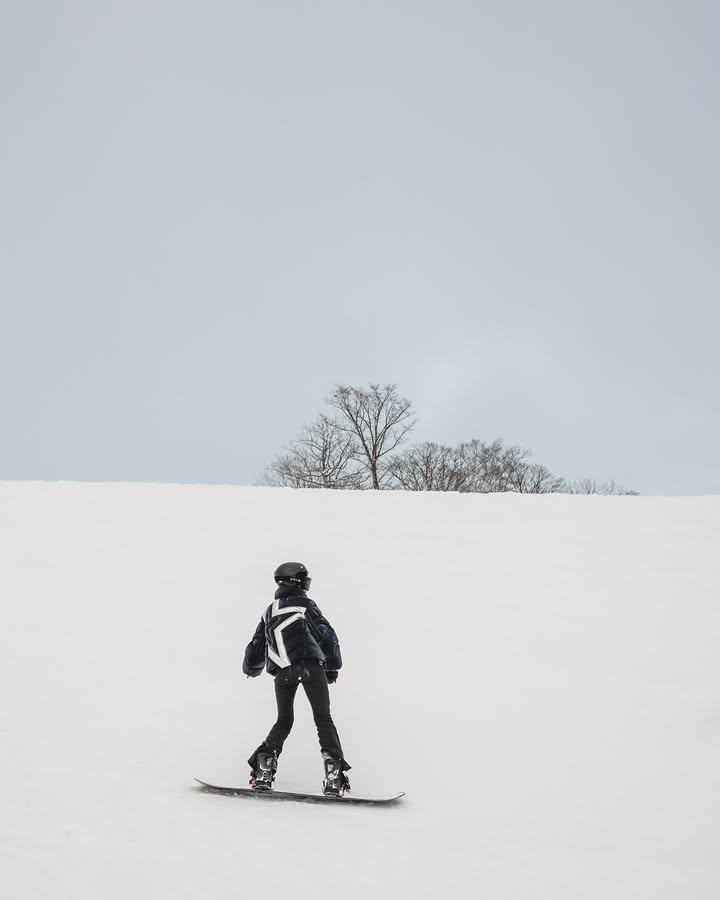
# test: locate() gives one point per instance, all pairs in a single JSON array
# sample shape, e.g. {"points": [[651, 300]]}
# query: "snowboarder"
{"points": [[297, 645]]}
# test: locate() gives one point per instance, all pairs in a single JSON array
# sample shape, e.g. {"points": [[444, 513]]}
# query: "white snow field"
{"points": [[540, 674]]}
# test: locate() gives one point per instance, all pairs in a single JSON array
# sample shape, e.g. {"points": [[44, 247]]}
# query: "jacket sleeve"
{"points": [[327, 638], [254, 661]]}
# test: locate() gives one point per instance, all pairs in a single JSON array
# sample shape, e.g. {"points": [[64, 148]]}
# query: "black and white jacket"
{"points": [[292, 628]]}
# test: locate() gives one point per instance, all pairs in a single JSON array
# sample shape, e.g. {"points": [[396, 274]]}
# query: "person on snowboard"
{"points": [[297, 645]]}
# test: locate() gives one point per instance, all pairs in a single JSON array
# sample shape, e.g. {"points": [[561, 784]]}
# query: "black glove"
{"points": [[331, 677]]}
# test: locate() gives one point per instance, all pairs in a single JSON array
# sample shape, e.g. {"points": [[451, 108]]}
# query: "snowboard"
{"points": [[294, 795]]}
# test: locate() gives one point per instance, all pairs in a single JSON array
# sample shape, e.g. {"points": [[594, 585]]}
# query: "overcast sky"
{"points": [[212, 212]]}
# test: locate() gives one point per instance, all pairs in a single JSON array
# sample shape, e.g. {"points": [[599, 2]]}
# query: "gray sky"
{"points": [[210, 213]]}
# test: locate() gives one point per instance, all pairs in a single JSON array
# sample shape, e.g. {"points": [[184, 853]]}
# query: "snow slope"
{"points": [[557, 654]]}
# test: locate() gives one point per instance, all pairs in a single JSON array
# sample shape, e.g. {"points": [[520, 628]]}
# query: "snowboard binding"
{"points": [[336, 781], [263, 775]]}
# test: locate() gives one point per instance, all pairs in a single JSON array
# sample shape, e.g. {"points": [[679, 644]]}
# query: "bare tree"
{"points": [[355, 448], [472, 467], [492, 468], [322, 457], [533, 478], [427, 467], [377, 419], [590, 486], [498, 467]]}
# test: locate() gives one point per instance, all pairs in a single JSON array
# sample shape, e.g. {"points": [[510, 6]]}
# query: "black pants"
{"points": [[311, 675]]}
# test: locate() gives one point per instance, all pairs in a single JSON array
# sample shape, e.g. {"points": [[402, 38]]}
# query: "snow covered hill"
{"points": [[539, 674]]}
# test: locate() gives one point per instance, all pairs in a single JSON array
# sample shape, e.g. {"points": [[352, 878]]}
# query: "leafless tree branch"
{"points": [[378, 419], [358, 448], [590, 486], [322, 457]]}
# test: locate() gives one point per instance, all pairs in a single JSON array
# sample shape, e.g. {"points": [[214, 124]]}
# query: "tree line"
{"points": [[361, 443]]}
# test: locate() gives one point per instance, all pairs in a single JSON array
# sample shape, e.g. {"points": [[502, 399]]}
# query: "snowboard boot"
{"points": [[263, 775], [336, 781]]}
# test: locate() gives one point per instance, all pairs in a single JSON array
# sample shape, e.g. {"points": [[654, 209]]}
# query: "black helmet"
{"points": [[293, 573]]}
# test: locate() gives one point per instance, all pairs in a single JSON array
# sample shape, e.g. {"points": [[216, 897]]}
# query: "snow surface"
{"points": [[559, 655]]}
